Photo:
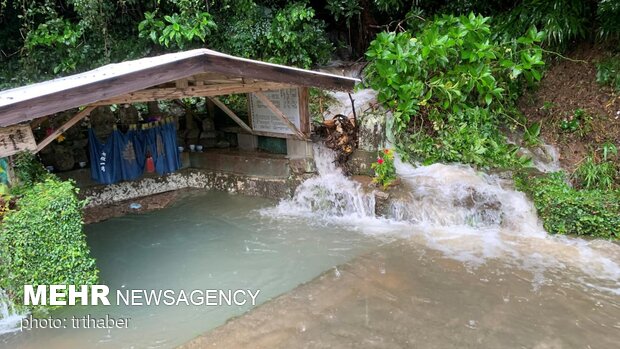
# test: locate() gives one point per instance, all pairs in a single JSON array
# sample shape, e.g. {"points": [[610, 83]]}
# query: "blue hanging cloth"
{"points": [[155, 147], [130, 150], [169, 134], [105, 164], [123, 156]]}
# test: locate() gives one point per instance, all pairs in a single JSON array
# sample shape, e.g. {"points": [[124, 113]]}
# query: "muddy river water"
{"points": [[459, 260]]}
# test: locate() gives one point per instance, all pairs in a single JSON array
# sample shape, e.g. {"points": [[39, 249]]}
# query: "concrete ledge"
{"points": [[245, 163], [275, 188]]}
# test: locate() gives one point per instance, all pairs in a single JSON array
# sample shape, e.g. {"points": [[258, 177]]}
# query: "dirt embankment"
{"points": [[570, 85]]}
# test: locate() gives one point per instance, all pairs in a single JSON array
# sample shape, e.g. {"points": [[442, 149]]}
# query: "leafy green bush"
{"points": [[297, 38], [42, 243], [608, 72], [565, 210], [469, 136], [177, 29], [455, 77], [28, 169], [289, 35]]}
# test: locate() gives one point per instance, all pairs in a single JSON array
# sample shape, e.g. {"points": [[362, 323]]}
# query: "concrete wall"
{"points": [[192, 178], [248, 173]]}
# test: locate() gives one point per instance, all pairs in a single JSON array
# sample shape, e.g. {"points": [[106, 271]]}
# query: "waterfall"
{"points": [[10, 318], [467, 215], [330, 194]]}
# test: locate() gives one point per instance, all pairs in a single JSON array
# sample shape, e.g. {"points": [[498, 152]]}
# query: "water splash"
{"points": [[10, 318], [329, 195], [467, 215]]}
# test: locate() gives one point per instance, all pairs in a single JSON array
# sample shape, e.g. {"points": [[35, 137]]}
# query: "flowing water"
{"points": [[206, 241], [458, 259], [9, 316], [469, 216]]}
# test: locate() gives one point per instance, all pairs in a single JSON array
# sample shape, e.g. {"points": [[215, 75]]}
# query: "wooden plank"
{"points": [[230, 113], [191, 91], [279, 114], [67, 125], [304, 110], [275, 135], [15, 139], [181, 84]]}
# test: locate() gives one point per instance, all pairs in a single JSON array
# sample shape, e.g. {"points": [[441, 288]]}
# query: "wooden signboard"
{"points": [[14, 139], [264, 119]]}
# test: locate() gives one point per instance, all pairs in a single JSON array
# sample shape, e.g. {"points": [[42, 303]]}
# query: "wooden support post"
{"points": [[279, 114], [74, 120], [230, 113]]}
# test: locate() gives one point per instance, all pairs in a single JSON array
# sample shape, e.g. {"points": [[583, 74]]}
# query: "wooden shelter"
{"points": [[195, 73]]}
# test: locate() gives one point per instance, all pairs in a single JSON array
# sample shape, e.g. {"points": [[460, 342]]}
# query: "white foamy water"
{"points": [[9, 317], [467, 215]]}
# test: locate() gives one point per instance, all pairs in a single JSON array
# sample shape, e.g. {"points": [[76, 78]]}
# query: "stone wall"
{"points": [[193, 178]]}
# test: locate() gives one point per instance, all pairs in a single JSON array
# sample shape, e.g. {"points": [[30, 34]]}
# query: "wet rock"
{"points": [[102, 120], [382, 203], [62, 158], [302, 166]]}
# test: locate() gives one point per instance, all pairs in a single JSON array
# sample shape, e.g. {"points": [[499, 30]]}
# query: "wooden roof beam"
{"points": [[191, 91], [232, 115], [67, 125]]}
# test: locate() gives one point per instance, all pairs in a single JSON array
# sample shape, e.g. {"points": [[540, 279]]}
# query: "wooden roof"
{"points": [[195, 73]]}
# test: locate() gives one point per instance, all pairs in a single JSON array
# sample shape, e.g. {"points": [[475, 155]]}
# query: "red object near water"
{"points": [[150, 165]]}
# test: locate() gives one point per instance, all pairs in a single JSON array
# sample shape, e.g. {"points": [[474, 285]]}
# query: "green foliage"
{"points": [[385, 172], [28, 169], [42, 39], [390, 6], [469, 136], [177, 29], [609, 150], [607, 15], [454, 75], [42, 242], [345, 9], [289, 35], [565, 210], [561, 20], [596, 175], [296, 37], [60, 38], [531, 136], [608, 72], [580, 121]]}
